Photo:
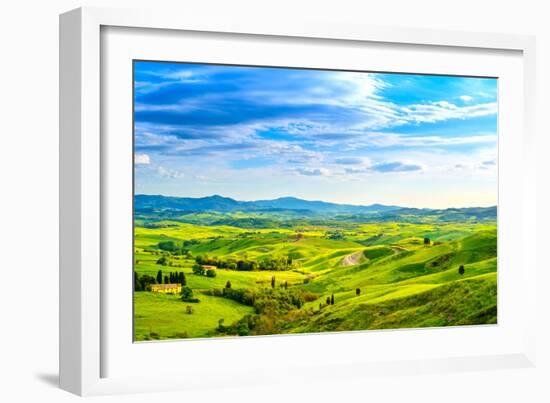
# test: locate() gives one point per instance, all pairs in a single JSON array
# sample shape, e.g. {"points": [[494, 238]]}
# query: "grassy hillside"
{"points": [[379, 275]]}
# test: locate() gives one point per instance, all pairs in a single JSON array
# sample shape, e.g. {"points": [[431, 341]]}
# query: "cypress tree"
{"points": [[181, 279], [137, 285], [159, 277]]}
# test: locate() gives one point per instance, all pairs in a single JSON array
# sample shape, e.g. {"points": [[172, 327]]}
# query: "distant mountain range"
{"points": [[226, 204]]}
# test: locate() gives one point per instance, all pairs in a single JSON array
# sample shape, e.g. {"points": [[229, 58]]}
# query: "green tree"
{"points": [[221, 327], [357, 291], [162, 261], [211, 273], [145, 282], [328, 300], [187, 295], [166, 280], [228, 284], [198, 269], [181, 279], [286, 285], [273, 282], [332, 299], [461, 270], [186, 292], [159, 277], [137, 284], [242, 329], [427, 241]]}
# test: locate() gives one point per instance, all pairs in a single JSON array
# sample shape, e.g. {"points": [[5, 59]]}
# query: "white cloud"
{"points": [[402, 140], [313, 171], [442, 110], [142, 159], [466, 98], [395, 166], [169, 173], [349, 161]]}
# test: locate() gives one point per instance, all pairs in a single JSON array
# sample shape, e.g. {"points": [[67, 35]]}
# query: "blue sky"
{"points": [[348, 137]]}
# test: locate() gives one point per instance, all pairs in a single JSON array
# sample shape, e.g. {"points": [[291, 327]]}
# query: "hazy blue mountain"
{"points": [[226, 204], [292, 206]]}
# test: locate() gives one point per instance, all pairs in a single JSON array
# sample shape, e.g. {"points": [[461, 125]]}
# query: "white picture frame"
{"points": [[84, 309]]}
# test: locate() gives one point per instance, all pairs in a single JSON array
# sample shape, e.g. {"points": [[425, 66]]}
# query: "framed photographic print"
{"points": [[273, 200], [254, 193]]}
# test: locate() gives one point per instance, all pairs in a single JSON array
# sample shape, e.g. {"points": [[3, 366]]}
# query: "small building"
{"points": [[166, 288], [207, 267]]}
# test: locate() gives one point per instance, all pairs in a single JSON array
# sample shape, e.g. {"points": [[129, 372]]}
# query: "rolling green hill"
{"points": [[385, 274]]}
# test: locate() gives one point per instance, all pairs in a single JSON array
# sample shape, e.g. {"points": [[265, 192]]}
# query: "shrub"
{"points": [[221, 327], [309, 296], [187, 295], [189, 309], [170, 246], [145, 282], [181, 335], [198, 270], [242, 329], [211, 273]]}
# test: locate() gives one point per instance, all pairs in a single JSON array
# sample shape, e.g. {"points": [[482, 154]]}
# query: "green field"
{"points": [[285, 273]]}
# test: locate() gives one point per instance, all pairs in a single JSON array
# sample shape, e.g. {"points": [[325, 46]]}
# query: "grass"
{"points": [[402, 282], [160, 316]]}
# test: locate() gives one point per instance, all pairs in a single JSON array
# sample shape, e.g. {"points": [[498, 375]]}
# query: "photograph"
{"points": [[275, 200]]}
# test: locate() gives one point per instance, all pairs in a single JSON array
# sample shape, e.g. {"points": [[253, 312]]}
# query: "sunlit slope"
{"points": [[465, 302], [413, 289], [402, 281], [165, 317]]}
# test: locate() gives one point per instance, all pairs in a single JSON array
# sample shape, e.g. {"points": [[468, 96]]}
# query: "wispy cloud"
{"points": [[142, 159], [307, 171], [169, 173], [270, 125], [395, 166], [351, 161]]}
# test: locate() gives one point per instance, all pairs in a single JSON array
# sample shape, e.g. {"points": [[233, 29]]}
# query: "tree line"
{"points": [[281, 263], [144, 282], [177, 248]]}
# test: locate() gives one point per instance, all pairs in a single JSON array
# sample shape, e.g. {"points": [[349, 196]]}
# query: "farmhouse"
{"points": [[166, 288], [208, 267]]}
